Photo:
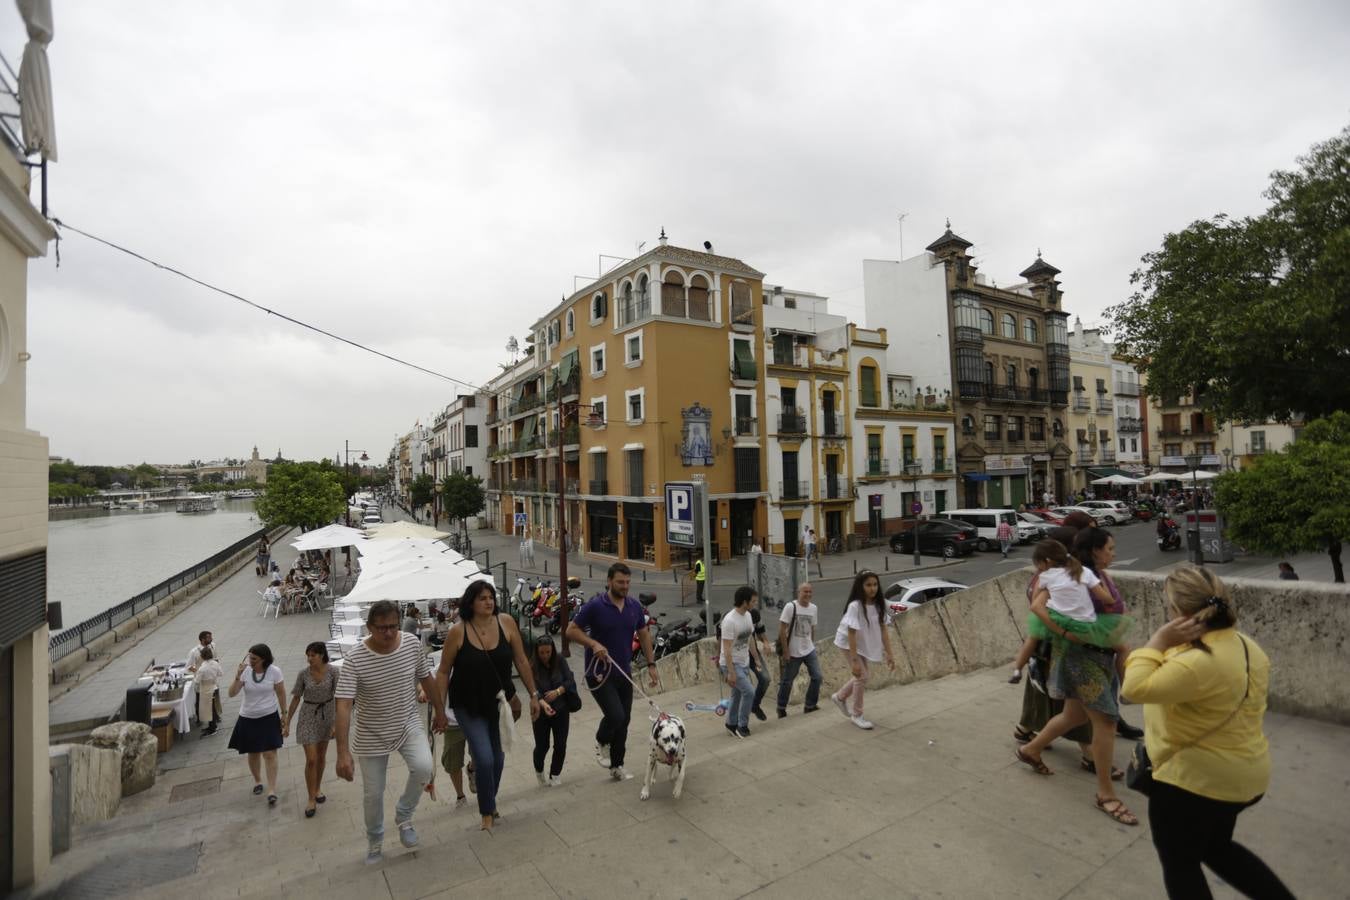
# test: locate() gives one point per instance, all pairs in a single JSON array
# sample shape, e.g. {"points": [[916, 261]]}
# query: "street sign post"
{"points": [[681, 521]]}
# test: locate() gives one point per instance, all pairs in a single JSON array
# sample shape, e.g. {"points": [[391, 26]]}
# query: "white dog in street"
{"points": [[667, 748]]}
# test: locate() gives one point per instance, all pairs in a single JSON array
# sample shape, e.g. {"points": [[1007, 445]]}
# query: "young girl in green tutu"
{"points": [[1062, 609]]}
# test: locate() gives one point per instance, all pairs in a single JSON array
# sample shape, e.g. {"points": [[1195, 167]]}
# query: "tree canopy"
{"points": [[462, 496], [421, 490], [1253, 313], [301, 494], [1297, 500]]}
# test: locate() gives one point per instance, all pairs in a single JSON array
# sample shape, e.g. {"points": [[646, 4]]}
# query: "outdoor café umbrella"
{"points": [[35, 81], [395, 530], [1116, 479], [329, 537], [422, 583]]}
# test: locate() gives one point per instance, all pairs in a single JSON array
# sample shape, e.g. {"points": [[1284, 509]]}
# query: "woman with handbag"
{"points": [[478, 653], [558, 699], [1203, 686]]}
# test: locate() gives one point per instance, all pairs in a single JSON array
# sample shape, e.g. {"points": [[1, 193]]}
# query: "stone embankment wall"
{"points": [[1302, 626]]}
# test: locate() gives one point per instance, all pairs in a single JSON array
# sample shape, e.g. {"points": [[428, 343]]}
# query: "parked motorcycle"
{"points": [[1169, 534], [683, 633], [650, 622]]}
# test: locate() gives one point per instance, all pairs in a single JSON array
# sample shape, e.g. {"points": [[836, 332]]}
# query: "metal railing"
{"points": [[878, 467], [72, 639], [831, 426], [1084, 457], [791, 423], [1081, 403], [742, 312], [833, 487], [1104, 404], [633, 310], [794, 490], [1127, 388], [599, 487], [747, 426], [1129, 424]]}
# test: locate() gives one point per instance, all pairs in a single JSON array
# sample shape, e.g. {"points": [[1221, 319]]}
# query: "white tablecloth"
{"points": [[184, 708], [351, 627]]}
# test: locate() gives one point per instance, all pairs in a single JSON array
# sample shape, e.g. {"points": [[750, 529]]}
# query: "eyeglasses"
{"points": [[385, 628]]}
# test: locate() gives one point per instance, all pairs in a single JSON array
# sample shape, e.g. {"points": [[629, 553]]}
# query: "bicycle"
{"points": [[834, 546]]}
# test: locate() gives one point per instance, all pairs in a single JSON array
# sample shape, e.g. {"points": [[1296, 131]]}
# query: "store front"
{"points": [[602, 526], [640, 530]]}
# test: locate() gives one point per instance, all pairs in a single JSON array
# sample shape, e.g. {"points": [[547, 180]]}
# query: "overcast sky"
{"points": [[429, 178]]}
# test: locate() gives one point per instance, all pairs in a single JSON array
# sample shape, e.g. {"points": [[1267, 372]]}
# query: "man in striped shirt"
{"points": [[381, 676]]}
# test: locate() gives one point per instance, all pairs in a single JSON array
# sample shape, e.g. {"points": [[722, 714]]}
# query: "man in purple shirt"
{"points": [[605, 626]]}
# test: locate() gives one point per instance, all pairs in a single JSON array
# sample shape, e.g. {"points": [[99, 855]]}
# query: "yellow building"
{"points": [[638, 379]]}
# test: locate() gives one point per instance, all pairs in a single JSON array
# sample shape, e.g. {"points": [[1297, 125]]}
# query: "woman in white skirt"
{"points": [[259, 730]]}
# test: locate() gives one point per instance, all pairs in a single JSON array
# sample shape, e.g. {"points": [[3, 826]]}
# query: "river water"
{"points": [[96, 563]]}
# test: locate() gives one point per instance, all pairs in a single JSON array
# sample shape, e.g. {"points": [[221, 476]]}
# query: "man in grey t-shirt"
{"points": [[797, 645]]}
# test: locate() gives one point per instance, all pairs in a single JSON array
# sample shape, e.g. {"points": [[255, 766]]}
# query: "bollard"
{"points": [[887, 562], [545, 569], [855, 567], [644, 574], [590, 571]]}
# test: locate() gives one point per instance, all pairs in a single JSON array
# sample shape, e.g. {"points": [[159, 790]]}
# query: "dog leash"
{"points": [[600, 675]]}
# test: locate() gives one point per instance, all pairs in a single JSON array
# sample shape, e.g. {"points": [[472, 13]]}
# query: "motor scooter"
{"points": [[1169, 534]]}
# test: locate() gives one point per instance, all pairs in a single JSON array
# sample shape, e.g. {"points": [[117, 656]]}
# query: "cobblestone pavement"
{"points": [[929, 803]]}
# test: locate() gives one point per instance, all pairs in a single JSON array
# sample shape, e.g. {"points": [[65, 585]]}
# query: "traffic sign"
{"points": [[520, 520], [680, 506]]}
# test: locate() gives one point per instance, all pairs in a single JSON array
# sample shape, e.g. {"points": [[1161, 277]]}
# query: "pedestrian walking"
{"points": [[207, 675], [758, 666], [863, 633], [259, 731], [452, 755], [810, 543], [700, 578], [1095, 548], [797, 647], [264, 557], [1004, 533], [315, 695], [380, 677], [475, 671], [1203, 685], [737, 628], [605, 625], [557, 691], [1287, 572]]}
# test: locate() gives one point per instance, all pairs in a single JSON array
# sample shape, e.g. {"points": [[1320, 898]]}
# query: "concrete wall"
{"points": [[86, 788], [1302, 626]]}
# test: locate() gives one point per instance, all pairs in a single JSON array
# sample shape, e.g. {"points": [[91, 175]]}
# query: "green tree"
{"points": [[1253, 313], [145, 475], [1297, 500], [421, 491], [301, 494], [462, 496]]}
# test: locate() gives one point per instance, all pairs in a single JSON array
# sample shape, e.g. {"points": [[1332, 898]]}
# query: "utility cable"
{"points": [[271, 312]]}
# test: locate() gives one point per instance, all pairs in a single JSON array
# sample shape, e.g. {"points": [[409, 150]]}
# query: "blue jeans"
{"points": [[794, 666], [484, 740], [742, 697], [416, 753]]}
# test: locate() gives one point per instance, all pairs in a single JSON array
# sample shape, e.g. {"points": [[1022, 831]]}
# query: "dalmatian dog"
{"points": [[667, 743]]}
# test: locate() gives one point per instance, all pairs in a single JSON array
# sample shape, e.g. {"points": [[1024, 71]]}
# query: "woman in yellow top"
{"points": [[1203, 686]]}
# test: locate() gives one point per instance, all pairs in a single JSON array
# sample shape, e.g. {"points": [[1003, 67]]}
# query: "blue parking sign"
{"points": [[680, 514]]}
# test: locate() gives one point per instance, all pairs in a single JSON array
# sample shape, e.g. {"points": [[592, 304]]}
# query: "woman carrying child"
{"points": [[1083, 669]]}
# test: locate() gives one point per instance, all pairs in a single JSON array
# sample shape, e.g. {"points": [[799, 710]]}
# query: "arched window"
{"points": [[699, 306], [986, 322], [599, 307], [672, 295], [1030, 333], [988, 373], [1009, 327], [571, 323], [1011, 373], [643, 295], [1057, 428]]}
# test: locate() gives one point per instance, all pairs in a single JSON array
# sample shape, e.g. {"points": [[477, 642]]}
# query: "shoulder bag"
{"points": [[782, 646], [507, 710], [1139, 773]]}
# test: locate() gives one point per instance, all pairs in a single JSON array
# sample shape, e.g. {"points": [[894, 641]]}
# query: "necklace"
{"points": [[258, 679]]}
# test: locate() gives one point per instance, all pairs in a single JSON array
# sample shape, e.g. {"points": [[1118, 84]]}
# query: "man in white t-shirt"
{"points": [[797, 646], [737, 628]]}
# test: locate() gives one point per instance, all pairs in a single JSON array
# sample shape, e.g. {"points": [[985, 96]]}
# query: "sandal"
{"points": [[1121, 813], [1022, 735], [1090, 766], [271, 799], [1036, 764], [258, 789]]}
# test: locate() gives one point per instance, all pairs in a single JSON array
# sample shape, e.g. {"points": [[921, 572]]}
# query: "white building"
{"points": [[1131, 448]]}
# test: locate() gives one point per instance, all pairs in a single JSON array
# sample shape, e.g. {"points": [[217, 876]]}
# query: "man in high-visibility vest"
{"points": [[700, 577]]}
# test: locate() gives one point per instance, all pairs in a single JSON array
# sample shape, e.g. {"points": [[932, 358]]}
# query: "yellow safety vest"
{"points": [[700, 573]]}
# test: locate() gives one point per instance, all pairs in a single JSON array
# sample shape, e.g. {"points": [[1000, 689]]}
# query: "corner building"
{"points": [[651, 374]]}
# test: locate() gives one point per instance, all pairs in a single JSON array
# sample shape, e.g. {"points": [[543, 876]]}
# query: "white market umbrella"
{"points": [[35, 80], [329, 537], [428, 583], [395, 530], [1116, 479], [371, 548], [1183, 477]]}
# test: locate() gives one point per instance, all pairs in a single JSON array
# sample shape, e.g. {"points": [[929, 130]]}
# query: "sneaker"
{"points": [[743, 732], [602, 755], [461, 801], [374, 855], [782, 713], [843, 709], [810, 709], [555, 781], [732, 729], [407, 835], [1128, 731], [862, 723], [543, 781], [759, 713], [618, 774]]}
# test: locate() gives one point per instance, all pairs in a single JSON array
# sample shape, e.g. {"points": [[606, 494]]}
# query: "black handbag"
{"points": [[1139, 772]]}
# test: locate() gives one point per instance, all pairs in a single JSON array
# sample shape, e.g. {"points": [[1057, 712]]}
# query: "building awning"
{"points": [[634, 446], [551, 379], [527, 431], [1108, 471], [597, 449], [569, 362], [976, 476], [745, 360]]}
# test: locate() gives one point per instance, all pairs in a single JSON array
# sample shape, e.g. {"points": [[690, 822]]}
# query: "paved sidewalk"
{"points": [[930, 803]]}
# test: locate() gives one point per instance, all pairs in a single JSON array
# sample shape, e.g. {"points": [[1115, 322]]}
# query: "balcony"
{"points": [[1059, 398], [993, 437], [794, 490], [1127, 388], [1104, 404], [492, 484], [525, 404], [1081, 403], [797, 356], [1015, 437], [1000, 393], [942, 465], [1084, 457], [831, 425], [869, 398], [1129, 425], [834, 487], [791, 423], [598, 487], [494, 450], [742, 314], [1107, 456], [493, 417], [877, 468], [1253, 449], [568, 388], [570, 435], [747, 426], [910, 468], [525, 485]]}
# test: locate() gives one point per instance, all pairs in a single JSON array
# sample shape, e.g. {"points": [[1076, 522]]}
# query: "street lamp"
{"points": [[1228, 458], [1193, 517], [346, 470]]}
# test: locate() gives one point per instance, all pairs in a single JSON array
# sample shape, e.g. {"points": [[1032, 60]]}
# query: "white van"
{"points": [[986, 524]]}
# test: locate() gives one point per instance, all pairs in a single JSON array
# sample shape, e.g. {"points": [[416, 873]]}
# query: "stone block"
{"points": [[923, 647], [981, 621], [138, 752], [69, 664], [95, 780]]}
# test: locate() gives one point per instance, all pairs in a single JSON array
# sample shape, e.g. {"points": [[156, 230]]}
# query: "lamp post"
{"points": [[346, 470], [1228, 459], [1193, 533]]}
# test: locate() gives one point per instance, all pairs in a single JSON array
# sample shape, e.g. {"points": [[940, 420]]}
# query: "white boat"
{"points": [[195, 503], [242, 494]]}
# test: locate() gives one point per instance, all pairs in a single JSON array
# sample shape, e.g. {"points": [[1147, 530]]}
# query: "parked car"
{"points": [[986, 524], [1040, 523], [942, 537], [1119, 509], [1100, 516], [910, 593], [371, 518]]}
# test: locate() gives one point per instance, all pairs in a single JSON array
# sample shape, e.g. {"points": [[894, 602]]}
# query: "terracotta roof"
{"points": [[1039, 267]]}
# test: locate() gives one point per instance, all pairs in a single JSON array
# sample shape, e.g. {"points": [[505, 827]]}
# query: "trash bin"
{"points": [[138, 704], [1209, 527]]}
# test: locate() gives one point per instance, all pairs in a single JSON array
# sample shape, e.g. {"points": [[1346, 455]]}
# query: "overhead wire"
{"points": [[61, 225]]}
